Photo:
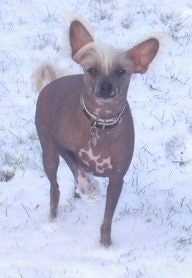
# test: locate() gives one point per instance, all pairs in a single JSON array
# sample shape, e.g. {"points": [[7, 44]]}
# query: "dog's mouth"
{"points": [[106, 90]]}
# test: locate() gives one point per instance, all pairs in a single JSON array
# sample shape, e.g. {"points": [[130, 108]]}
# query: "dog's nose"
{"points": [[106, 89]]}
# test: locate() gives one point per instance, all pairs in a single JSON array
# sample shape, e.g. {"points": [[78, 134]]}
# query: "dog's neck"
{"points": [[99, 122]]}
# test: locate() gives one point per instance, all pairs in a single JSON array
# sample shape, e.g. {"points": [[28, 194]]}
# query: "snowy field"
{"points": [[152, 227]]}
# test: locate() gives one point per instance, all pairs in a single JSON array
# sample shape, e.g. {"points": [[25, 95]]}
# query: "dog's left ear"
{"points": [[79, 36], [143, 54]]}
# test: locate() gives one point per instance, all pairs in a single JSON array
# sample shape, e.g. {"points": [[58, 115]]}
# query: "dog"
{"points": [[86, 119]]}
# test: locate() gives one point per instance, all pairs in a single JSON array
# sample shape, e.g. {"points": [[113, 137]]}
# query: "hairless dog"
{"points": [[86, 119]]}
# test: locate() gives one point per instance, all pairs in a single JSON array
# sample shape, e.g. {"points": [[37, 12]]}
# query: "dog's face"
{"points": [[107, 70]]}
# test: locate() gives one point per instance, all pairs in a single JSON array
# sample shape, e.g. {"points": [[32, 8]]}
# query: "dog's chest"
{"points": [[96, 161], [95, 154]]}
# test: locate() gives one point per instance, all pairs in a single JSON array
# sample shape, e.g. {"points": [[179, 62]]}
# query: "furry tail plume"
{"points": [[44, 74]]}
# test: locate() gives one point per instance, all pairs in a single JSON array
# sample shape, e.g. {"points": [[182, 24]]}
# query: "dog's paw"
{"points": [[93, 196], [87, 187]]}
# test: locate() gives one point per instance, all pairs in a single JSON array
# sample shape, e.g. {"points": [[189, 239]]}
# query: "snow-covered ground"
{"points": [[152, 229]]}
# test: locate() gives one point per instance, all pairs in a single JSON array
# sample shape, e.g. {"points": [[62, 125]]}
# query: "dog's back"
{"points": [[56, 106]]}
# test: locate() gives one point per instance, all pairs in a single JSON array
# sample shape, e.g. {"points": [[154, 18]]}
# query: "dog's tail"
{"points": [[45, 74]]}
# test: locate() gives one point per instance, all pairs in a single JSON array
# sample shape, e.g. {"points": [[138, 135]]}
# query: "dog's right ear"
{"points": [[79, 36]]}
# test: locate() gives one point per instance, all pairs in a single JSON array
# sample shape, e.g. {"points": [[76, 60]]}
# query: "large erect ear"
{"points": [[79, 36], [143, 54]]}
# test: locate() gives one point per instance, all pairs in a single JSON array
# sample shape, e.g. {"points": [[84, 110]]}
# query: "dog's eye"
{"points": [[120, 72], [92, 71]]}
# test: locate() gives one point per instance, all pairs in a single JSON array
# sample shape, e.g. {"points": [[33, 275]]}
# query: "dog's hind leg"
{"points": [[86, 185]]}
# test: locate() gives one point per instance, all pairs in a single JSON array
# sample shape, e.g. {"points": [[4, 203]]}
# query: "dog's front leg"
{"points": [[51, 163], [113, 192]]}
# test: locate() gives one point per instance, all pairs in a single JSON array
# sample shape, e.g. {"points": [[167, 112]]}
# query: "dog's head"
{"points": [[107, 70]]}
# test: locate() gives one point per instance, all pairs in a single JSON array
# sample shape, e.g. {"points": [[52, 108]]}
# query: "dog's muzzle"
{"points": [[106, 89]]}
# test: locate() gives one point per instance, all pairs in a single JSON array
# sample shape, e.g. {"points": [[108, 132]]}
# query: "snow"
{"points": [[152, 227]]}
